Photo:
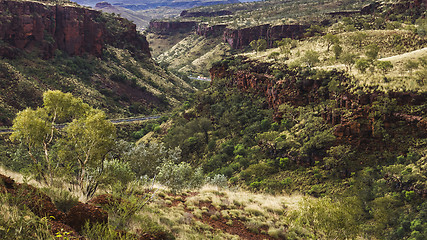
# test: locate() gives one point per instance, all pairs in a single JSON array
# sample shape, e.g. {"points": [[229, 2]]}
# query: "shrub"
{"points": [[218, 180], [117, 171], [63, 199], [180, 176], [328, 218]]}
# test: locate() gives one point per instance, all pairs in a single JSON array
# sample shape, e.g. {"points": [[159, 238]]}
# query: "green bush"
{"points": [[100, 231], [117, 171], [180, 176], [63, 199]]}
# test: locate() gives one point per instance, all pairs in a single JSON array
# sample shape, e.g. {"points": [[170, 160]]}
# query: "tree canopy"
{"points": [[84, 141]]}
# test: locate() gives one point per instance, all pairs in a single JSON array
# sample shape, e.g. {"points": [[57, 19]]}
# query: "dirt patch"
{"points": [[105, 199], [232, 226], [81, 213]]}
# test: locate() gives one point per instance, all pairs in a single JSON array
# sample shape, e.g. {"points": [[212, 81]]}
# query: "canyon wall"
{"points": [[358, 128], [34, 26], [240, 38]]}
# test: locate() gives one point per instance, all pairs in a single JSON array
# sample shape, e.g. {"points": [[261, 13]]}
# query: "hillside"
{"points": [[141, 12], [141, 18], [96, 56], [237, 25], [313, 124]]}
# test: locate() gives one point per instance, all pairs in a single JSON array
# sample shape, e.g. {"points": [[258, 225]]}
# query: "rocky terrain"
{"points": [[41, 42], [74, 30]]}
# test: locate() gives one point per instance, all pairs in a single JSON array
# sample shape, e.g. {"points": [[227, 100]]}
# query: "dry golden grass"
{"points": [[397, 79]]}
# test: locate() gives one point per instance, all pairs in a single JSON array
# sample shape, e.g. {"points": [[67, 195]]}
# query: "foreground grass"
{"points": [[207, 213]]}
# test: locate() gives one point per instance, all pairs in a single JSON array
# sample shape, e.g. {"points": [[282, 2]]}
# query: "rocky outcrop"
{"points": [[358, 128], [344, 13], [35, 26], [240, 38], [165, 27], [210, 31], [188, 14]]}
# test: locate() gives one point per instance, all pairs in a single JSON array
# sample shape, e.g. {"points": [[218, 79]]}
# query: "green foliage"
{"points": [[219, 180], [100, 231], [337, 49], [258, 45], [82, 143], [314, 30], [274, 55], [421, 27], [144, 159], [372, 51], [180, 176], [63, 199], [18, 223], [384, 66], [348, 59], [362, 64], [311, 58], [327, 218], [340, 159], [116, 171], [330, 40], [411, 65], [358, 38]]}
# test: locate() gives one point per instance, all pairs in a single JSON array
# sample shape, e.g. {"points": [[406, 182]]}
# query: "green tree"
{"points": [[330, 40], [358, 38], [261, 44], [254, 45], [285, 45], [348, 59], [314, 30], [274, 55], [311, 58], [384, 66], [362, 64], [337, 49], [36, 128], [421, 26], [258, 45], [87, 139], [339, 159], [372, 51], [32, 129]]}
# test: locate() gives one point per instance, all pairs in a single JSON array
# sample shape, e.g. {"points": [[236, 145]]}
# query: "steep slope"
{"points": [[96, 56]]}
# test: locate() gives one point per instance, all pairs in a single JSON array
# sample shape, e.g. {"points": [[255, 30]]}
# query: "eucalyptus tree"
{"points": [[52, 144]]}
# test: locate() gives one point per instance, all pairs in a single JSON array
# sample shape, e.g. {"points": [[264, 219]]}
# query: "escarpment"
{"points": [[361, 119], [34, 26], [240, 38]]}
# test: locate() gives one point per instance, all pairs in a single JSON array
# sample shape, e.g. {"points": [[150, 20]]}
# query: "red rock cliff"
{"points": [[240, 38], [35, 26], [357, 129]]}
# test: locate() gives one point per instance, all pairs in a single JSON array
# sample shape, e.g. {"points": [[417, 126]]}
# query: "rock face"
{"points": [[31, 25], [240, 38], [210, 31], [164, 27], [358, 129]]}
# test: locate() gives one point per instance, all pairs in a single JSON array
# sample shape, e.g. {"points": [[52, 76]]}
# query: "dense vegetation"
{"points": [[292, 144]]}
